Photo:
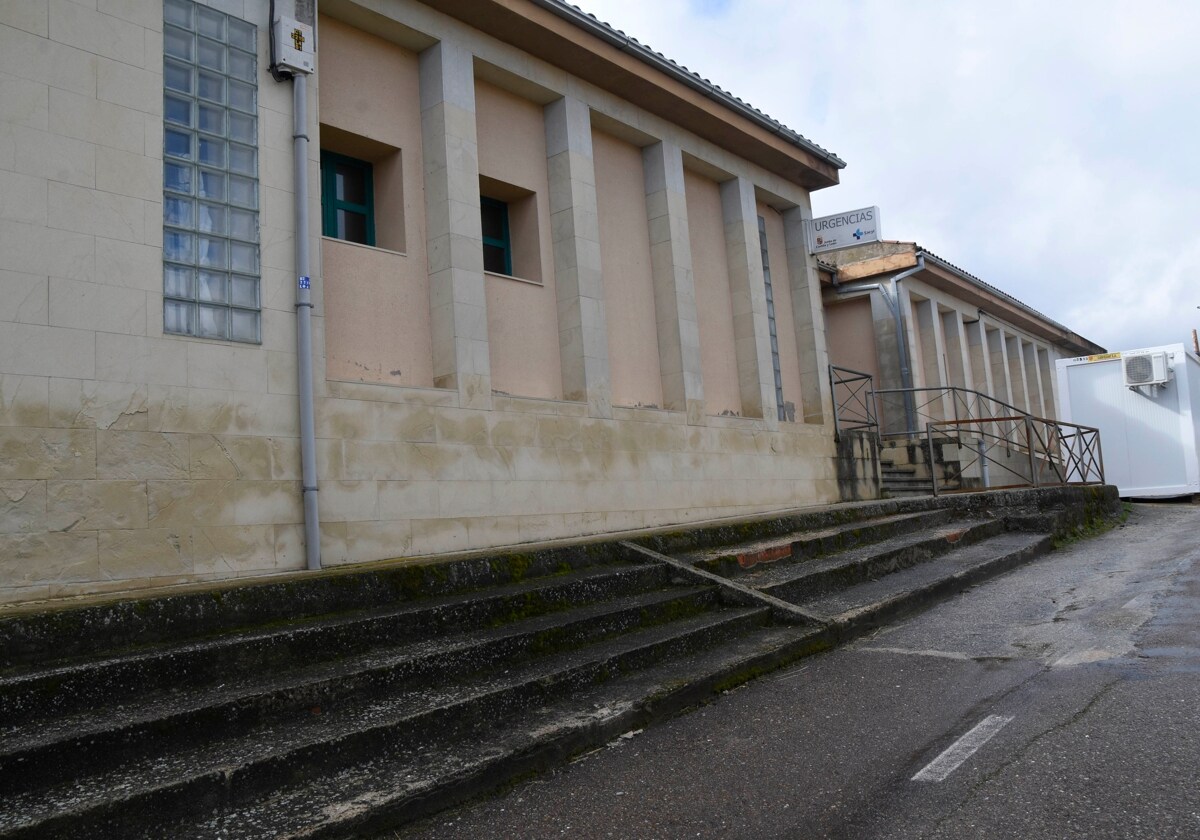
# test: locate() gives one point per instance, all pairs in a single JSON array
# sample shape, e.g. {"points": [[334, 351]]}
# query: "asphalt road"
{"points": [[1059, 701]]}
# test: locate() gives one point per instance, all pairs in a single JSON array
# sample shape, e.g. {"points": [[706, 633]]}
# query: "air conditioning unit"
{"points": [[1146, 369]]}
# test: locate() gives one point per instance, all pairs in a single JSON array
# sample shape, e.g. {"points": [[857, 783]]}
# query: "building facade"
{"points": [[559, 287], [911, 320]]}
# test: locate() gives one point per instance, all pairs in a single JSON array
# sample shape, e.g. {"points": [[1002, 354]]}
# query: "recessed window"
{"points": [[210, 174], [347, 199], [497, 245]]}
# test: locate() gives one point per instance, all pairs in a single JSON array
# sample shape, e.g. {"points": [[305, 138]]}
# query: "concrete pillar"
{"points": [[1016, 372], [674, 287], [816, 401], [887, 360], [998, 360], [458, 307], [976, 341], [575, 231], [977, 352], [748, 292], [942, 357], [1033, 378], [1049, 386], [887, 350], [928, 325], [916, 355], [957, 355]]}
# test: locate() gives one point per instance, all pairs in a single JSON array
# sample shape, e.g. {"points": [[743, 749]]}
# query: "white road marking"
{"points": [[939, 654], [962, 749], [1082, 657]]}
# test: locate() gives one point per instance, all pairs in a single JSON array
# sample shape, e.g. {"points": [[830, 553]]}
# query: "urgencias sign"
{"points": [[844, 230]]}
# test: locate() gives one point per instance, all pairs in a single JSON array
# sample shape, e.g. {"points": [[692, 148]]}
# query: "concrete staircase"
{"points": [[905, 470], [342, 703], [901, 480]]}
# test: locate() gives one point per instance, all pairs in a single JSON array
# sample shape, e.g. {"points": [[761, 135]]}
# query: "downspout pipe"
{"points": [[906, 380], [304, 305], [304, 349]]}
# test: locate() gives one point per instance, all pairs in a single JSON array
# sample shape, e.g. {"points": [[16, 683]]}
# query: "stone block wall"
{"points": [[132, 458]]}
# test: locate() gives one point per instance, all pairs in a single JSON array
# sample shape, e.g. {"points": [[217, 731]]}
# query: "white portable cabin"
{"points": [[1146, 404]]}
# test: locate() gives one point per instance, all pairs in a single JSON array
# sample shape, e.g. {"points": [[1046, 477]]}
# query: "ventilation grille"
{"points": [[1146, 369]]}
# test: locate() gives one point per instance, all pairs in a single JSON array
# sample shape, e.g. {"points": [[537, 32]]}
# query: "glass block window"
{"points": [[766, 263], [211, 276]]}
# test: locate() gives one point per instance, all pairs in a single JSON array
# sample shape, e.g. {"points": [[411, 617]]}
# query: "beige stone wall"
{"points": [[377, 317], [522, 316], [130, 458], [851, 334], [422, 476], [714, 306], [958, 344], [628, 273], [127, 457]]}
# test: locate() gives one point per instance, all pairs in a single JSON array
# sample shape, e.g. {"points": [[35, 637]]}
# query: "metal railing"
{"points": [[1019, 450], [853, 400], [918, 406], [972, 441]]}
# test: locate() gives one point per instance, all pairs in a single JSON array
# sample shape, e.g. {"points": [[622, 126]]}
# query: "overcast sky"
{"points": [[1050, 148]]}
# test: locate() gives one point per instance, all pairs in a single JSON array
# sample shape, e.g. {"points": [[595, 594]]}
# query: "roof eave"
{"points": [[693, 80]]}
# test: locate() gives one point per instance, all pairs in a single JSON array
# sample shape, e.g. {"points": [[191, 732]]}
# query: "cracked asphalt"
{"points": [[1093, 652]]}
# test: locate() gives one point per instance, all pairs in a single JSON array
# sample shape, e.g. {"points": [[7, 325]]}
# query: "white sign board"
{"points": [[844, 230]]}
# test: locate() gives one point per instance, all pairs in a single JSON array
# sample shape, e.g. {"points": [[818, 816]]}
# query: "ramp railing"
{"points": [[853, 400], [995, 453]]}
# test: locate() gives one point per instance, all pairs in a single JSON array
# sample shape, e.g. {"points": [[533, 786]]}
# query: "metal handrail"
{"points": [[959, 397], [956, 388], [1056, 453], [858, 409]]}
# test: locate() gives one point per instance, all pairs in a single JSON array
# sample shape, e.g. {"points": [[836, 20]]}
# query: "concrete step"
{"points": [[220, 774], [223, 714], [50, 750], [110, 679], [800, 582], [731, 561], [123, 623], [874, 603], [907, 492], [397, 786]]}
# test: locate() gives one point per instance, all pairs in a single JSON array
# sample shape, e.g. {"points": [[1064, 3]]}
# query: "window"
{"points": [[211, 271], [347, 199], [497, 246]]}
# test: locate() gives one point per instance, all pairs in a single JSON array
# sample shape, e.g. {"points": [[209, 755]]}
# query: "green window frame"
{"points": [[497, 249], [335, 206]]}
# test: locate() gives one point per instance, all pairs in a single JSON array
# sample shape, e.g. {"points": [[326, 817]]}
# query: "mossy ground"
{"points": [[1095, 522]]}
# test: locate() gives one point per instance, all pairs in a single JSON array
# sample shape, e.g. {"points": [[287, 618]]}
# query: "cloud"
{"points": [[1045, 147]]}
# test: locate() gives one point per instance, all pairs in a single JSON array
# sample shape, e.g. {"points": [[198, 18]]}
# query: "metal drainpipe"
{"points": [[910, 414], [308, 439]]}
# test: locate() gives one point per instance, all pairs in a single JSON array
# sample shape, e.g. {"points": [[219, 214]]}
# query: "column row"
{"points": [[981, 354], [458, 302]]}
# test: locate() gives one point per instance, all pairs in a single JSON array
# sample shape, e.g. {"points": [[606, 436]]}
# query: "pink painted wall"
{"points": [[628, 275], [785, 325], [377, 324], [522, 316], [714, 306], [850, 333], [376, 299]]}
